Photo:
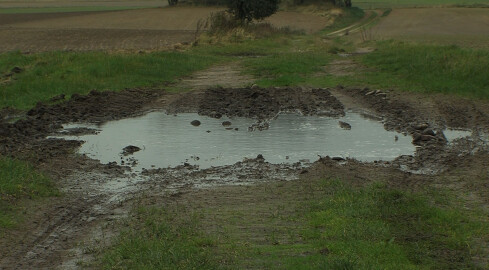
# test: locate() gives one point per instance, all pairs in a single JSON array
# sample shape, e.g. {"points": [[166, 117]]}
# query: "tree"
{"points": [[248, 10], [172, 2]]}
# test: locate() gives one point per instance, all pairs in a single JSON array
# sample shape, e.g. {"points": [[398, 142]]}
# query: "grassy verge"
{"points": [[19, 181], [372, 4], [49, 74], [420, 68], [324, 224]]}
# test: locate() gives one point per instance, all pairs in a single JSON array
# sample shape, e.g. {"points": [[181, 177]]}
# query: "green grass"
{"points": [[19, 181], [160, 240], [324, 224], [61, 9], [286, 69], [422, 68], [49, 74], [372, 4]]}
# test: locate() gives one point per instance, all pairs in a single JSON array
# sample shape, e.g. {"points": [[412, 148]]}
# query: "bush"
{"points": [[248, 10]]}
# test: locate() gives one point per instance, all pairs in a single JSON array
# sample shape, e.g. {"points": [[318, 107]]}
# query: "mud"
{"points": [[96, 194]]}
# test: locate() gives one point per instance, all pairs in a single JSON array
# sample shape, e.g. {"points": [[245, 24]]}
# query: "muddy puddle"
{"points": [[159, 140]]}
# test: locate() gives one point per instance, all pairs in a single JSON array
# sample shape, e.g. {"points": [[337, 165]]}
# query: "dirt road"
{"points": [[460, 26]]}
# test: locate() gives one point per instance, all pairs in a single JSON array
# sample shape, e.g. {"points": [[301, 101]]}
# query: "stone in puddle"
{"points": [[226, 123], [130, 149], [344, 125], [195, 123]]}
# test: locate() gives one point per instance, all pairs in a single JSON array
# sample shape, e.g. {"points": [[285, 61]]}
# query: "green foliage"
{"points": [[49, 74], [19, 180], [159, 239], [248, 10]]}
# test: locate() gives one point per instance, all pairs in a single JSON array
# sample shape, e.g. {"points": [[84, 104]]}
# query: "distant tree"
{"points": [[248, 10], [172, 2]]}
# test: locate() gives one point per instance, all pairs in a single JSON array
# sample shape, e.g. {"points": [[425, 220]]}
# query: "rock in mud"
{"points": [[422, 126], [195, 123], [57, 98], [344, 125], [130, 149], [17, 70], [429, 132], [226, 123]]}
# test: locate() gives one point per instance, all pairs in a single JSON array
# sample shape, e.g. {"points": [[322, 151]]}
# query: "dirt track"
{"points": [[460, 26], [143, 29]]}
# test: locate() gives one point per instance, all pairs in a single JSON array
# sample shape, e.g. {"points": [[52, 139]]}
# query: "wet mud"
{"points": [[97, 194]]}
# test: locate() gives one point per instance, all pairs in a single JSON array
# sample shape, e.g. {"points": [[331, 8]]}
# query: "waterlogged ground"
{"points": [[170, 140]]}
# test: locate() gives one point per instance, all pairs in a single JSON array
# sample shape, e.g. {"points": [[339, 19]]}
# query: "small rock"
{"points": [[396, 138], [344, 125], [236, 129], [429, 132], [17, 70], [260, 157], [324, 251], [226, 123], [370, 93], [422, 126], [195, 123], [57, 98], [337, 159], [130, 149]]}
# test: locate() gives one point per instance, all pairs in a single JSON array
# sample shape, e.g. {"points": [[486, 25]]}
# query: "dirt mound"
{"points": [[259, 103]]}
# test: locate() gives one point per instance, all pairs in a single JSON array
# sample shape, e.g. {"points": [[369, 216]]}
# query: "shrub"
{"points": [[248, 10]]}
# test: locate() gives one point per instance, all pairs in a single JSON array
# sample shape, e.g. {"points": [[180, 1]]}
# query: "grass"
{"points": [[160, 240], [372, 4], [49, 74], [320, 224], [19, 181], [286, 69], [421, 68]]}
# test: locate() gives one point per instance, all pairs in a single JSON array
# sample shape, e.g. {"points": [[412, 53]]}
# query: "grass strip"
{"points": [[46, 75], [431, 69]]}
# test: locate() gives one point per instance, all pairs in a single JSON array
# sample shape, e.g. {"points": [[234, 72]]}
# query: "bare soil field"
{"points": [[459, 26], [97, 195], [142, 29], [49, 3]]}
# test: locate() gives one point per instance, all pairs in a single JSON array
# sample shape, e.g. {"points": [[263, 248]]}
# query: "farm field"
{"points": [[141, 29], [326, 138], [459, 26]]}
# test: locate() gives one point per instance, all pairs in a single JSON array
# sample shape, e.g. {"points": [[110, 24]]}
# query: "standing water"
{"points": [[170, 140]]}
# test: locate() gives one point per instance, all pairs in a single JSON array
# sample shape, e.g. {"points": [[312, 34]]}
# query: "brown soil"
{"points": [[97, 194], [460, 26], [141, 29]]}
